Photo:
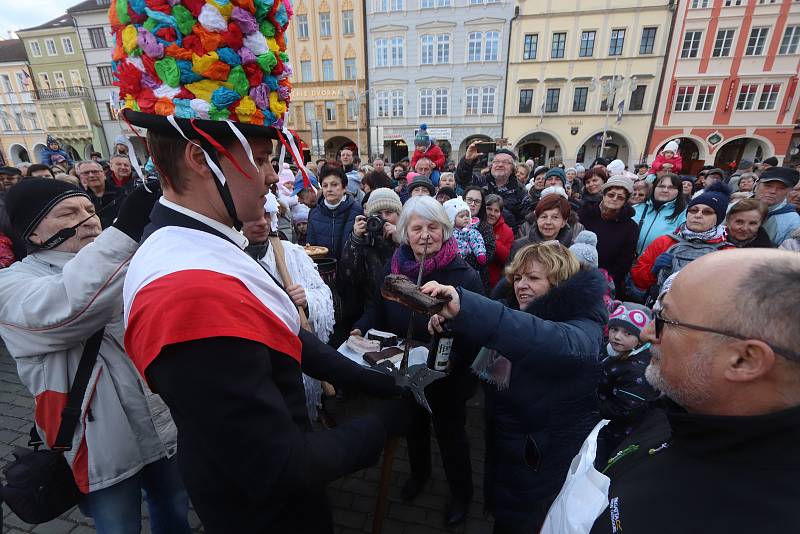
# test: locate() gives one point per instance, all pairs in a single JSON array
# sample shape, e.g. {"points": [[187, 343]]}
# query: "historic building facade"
{"points": [[437, 62], [582, 70], [326, 47], [730, 89], [21, 133], [61, 86]]}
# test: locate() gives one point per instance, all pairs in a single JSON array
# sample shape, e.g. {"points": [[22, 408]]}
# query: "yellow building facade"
{"points": [[579, 68], [329, 100], [21, 133]]}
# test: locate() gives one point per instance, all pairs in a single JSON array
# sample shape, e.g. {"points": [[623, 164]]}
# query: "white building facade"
{"points": [[436, 62]]}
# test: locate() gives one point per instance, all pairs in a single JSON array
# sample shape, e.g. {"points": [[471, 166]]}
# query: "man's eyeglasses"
{"points": [[616, 196], [667, 187], [473, 201], [660, 321]]}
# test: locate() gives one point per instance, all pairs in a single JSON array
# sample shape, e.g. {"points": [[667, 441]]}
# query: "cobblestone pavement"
{"points": [[352, 498]]}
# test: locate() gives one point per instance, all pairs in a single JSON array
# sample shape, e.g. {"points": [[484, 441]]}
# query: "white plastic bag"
{"points": [[584, 495]]}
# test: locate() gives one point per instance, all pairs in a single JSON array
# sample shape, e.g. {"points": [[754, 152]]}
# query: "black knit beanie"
{"points": [[29, 201]]}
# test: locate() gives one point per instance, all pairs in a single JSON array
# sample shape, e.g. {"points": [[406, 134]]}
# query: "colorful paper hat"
{"points": [[213, 60]]}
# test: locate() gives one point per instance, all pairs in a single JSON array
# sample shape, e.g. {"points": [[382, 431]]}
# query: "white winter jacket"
{"points": [[50, 304]]}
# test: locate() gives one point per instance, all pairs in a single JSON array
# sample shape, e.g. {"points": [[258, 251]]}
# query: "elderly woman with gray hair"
{"points": [[425, 235]]}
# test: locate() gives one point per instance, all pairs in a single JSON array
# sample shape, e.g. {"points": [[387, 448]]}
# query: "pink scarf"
{"points": [[404, 262]]}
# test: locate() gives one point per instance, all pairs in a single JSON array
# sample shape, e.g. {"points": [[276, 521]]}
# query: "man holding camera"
{"points": [[369, 247]]}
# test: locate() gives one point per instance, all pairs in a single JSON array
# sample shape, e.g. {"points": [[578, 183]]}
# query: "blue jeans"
{"points": [[117, 509]]}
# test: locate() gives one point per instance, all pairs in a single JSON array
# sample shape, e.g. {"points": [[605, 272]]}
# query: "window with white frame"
{"points": [[426, 47], [106, 75], [327, 70], [302, 26], [769, 96], [683, 100], [398, 103], [426, 102], [309, 111], [475, 2], [306, 74], [330, 111], [490, 50], [44, 80], [36, 50], [579, 98], [790, 41], [381, 5], [442, 106], [75, 78], [691, 44], [397, 45], [472, 101], [97, 38], [426, 4], [723, 43], [324, 24], [443, 48], [530, 45], [444, 3], [348, 24], [755, 43], [705, 97], [487, 100], [350, 72], [474, 46], [50, 46], [747, 96], [383, 103], [59, 79], [398, 5], [66, 44], [381, 52], [352, 111], [732, 3], [6, 82], [617, 42], [22, 81], [700, 4]]}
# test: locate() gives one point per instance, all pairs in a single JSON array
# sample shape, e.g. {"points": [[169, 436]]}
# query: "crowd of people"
{"points": [[557, 283]]}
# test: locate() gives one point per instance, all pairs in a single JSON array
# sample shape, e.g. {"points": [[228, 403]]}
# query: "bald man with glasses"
{"points": [[722, 455]]}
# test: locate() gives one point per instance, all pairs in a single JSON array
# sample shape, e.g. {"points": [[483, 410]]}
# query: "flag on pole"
{"points": [[620, 110]]}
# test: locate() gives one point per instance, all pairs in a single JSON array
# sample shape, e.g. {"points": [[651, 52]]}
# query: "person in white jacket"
{"points": [[68, 287], [308, 290]]}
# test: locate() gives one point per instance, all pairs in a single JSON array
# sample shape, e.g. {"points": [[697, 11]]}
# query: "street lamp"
{"points": [[610, 87]]}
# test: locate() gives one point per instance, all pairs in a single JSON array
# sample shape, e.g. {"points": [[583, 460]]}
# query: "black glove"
{"points": [[396, 415], [134, 213]]}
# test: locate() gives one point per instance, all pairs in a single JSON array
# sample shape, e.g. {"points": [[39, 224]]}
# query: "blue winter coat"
{"points": [[656, 222], [331, 228], [781, 222], [536, 426]]}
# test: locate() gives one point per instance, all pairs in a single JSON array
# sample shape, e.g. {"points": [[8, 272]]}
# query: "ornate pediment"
{"points": [[326, 53], [350, 52], [324, 7], [304, 55]]}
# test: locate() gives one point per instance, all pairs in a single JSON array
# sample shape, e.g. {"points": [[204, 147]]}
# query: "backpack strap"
{"points": [[72, 409]]}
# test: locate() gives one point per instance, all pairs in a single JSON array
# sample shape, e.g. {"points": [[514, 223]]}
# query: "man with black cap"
{"points": [[208, 328], [51, 303], [768, 163], [500, 181], [772, 189]]}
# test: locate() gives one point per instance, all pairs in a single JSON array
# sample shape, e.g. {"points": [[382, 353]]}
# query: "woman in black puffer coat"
{"points": [[542, 367]]}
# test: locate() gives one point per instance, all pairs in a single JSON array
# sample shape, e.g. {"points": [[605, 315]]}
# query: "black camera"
{"points": [[374, 228]]}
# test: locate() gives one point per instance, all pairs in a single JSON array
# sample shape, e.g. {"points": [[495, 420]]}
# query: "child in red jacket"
{"points": [[426, 148], [668, 156]]}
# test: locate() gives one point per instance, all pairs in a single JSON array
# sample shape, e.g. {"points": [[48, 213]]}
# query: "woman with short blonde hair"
{"points": [[540, 366]]}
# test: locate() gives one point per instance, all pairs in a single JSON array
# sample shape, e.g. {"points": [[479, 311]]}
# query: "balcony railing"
{"points": [[61, 93]]}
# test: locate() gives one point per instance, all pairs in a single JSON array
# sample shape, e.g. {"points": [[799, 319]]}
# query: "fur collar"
{"points": [[580, 297]]}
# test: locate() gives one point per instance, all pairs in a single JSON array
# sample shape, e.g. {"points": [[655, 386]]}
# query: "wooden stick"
{"points": [[382, 503], [286, 278]]}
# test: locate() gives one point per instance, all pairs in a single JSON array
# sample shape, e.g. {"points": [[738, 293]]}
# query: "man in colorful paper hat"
{"points": [[206, 326]]}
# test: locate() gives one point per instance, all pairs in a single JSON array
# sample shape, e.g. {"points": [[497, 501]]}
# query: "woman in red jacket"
{"points": [[503, 237], [702, 233]]}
